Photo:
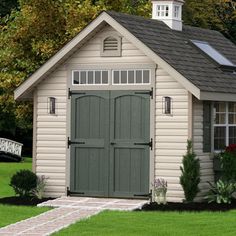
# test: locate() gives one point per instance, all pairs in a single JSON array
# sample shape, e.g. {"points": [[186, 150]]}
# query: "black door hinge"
{"points": [[146, 92], [148, 195], [68, 192], [69, 142], [150, 144], [70, 93]]}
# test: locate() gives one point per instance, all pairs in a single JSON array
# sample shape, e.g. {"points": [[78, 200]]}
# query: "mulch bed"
{"points": [[190, 207], [26, 201]]}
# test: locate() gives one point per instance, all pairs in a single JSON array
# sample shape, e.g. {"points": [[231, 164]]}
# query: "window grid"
{"points": [[103, 78], [128, 72], [226, 126], [176, 11], [163, 10]]}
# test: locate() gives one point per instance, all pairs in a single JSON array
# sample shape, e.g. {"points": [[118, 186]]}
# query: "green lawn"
{"points": [[7, 169], [12, 214], [155, 223]]}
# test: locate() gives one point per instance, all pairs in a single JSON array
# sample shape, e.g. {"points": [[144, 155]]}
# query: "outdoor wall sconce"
{"points": [[167, 105], [52, 105]]}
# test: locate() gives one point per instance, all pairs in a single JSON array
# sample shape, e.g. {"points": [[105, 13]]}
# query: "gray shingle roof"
{"points": [[176, 49]]}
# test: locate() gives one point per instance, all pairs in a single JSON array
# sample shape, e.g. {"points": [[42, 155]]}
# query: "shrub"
{"points": [[41, 184], [23, 182], [221, 192], [228, 163], [190, 177]]}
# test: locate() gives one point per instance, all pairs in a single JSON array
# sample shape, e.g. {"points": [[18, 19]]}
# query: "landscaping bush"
{"points": [[190, 177], [221, 192], [228, 163], [38, 192], [24, 182]]}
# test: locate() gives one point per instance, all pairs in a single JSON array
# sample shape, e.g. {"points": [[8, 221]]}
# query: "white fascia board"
{"points": [[220, 97], [53, 61], [103, 17]]}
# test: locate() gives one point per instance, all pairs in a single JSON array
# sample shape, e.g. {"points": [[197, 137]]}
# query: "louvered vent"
{"points": [[110, 44]]}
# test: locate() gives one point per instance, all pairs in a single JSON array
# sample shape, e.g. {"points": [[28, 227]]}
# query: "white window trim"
{"points": [[134, 84], [73, 84], [226, 125], [162, 10]]}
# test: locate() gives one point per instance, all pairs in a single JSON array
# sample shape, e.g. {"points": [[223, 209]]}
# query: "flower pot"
{"points": [[160, 198]]}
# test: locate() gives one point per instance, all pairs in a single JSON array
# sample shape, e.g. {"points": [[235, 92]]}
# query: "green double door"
{"points": [[110, 143]]}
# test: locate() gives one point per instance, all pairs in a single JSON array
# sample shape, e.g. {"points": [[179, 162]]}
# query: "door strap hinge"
{"points": [[68, 192], [69, 142], [70, 93], [150, 144], [146, 92], [149, 195]]}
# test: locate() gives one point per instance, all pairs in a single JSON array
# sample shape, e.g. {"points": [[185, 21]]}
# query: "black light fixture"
{"points": [[167, 105], [52, 105]]}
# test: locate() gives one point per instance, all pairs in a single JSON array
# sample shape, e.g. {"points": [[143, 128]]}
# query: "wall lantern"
{"points": [[52, 105], [167, 105]]}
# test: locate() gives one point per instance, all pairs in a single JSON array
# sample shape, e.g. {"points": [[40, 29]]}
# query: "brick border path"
{"points": [[69, 210]]}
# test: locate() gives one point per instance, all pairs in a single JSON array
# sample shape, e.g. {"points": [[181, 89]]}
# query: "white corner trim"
{"points": [[103, 17]]}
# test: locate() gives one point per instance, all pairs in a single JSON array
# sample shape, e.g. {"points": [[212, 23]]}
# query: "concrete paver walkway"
{"points": [[68, 211]]}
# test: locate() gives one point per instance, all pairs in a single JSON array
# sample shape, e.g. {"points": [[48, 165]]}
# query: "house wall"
{"points": [[171, 133], [206, 162]]}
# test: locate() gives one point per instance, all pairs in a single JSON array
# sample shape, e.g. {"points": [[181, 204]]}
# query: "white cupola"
{"points": [[170, 12]]}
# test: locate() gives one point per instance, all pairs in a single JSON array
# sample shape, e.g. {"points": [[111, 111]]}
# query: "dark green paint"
{"points": [[109, 164]]}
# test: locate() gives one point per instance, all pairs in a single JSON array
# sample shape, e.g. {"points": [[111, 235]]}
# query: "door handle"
{"points": [[112, 143]]}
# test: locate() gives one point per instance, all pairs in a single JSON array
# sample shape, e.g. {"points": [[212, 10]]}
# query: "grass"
{"points": [[7, 169], [12, 214], [155, 223]]}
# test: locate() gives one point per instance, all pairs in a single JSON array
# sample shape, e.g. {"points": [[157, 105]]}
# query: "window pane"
{"points": [[219, 138], [76, 77], [97, 77], [146, 77], [90, 77], [138, 76], [232, 107], [232, 118], [105, 77], [116, 77], [131, 77], [83, 77], [220, 118], [232, 135], [124, 77], [220, 106]]}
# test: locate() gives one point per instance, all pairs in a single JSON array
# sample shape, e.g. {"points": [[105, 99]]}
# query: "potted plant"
{"points": [[160, 190]]}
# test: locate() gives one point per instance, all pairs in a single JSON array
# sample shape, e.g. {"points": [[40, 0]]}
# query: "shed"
{"points": [[114, 108]]}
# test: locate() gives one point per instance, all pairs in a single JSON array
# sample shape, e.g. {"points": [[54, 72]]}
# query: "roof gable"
{"points": [[104, 18]]}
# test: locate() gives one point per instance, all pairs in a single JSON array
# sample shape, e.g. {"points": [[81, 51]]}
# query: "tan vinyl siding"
{"points": [[51, 133], [206, 161], [51, 130], [171, 133]]}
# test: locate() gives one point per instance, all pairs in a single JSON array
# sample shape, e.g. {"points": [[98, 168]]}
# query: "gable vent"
{"points": [[111, 46]]}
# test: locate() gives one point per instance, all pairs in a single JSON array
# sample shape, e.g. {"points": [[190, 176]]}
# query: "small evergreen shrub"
{"points": [[24, 182], [190, 177]]}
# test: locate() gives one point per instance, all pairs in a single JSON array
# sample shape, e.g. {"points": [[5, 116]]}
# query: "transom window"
{"points": [[135, 77], [224, 124], [163, 10], [90, 77]]}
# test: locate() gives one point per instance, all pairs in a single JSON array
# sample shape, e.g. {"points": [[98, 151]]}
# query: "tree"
{"points": [[6, 6]]}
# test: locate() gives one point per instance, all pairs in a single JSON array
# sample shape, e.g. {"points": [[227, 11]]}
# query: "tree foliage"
{"points": [[36, 30]]}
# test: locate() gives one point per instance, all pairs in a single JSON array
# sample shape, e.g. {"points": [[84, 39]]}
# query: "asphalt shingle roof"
{"points": [[176, 49]]}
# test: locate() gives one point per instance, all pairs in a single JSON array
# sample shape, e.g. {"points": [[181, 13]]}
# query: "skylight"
{"points": [[213, 53]]}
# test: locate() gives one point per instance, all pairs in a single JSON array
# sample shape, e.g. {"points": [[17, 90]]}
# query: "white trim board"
{"points": [[22, 92]]}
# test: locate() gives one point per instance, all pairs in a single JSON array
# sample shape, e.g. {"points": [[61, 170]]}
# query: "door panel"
{"points": [[129, 163], [109, 131], [90, 135]]}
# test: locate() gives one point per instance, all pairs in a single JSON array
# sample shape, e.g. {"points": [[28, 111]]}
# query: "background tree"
{"points": [[6, 6]]}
